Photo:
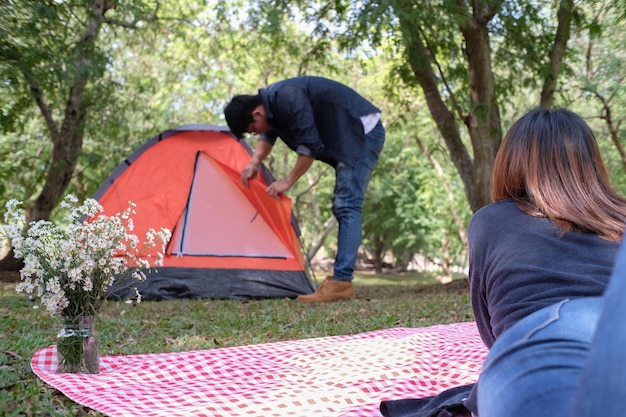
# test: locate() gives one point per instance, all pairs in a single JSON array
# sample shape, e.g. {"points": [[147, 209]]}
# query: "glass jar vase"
{"points": [[78, 349]]}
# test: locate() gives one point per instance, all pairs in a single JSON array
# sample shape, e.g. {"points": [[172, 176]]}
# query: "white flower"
{"points": [[70, 268]]}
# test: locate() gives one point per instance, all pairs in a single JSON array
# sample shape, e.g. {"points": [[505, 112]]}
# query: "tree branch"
{"points": [[316, 245], [134, 24], [457, 218], [612, 126], [565, 13], [39, 99]]}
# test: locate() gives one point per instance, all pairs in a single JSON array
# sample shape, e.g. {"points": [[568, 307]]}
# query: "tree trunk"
{"points": [[68, 139], [8, 262], [483, 120], [407, 255], [566, 11], [379, 250], [446, 262], [320, 239]]}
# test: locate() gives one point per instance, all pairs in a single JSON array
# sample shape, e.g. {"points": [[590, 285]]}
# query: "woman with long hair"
{"points": [[541, 258]]}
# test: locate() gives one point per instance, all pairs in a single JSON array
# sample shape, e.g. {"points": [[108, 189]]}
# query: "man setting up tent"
{"points": [[319, 119]]}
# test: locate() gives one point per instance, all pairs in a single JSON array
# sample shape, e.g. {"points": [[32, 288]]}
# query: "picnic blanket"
{"points": [[328, 376]]}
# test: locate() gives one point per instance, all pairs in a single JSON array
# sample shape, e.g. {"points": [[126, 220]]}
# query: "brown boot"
{"points": [[330, 290]]}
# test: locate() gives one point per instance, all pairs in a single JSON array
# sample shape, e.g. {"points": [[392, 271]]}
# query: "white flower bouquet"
{"points": [[70, 266]]}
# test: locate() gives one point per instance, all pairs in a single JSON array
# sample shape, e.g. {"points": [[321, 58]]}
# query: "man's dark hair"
{"points": [[238, 113]]}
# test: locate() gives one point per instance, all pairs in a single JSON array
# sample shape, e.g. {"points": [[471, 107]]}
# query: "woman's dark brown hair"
{"points": [[550, 164]]}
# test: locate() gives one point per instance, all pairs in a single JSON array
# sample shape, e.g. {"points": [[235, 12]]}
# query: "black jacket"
{"points": [[317, 117]]}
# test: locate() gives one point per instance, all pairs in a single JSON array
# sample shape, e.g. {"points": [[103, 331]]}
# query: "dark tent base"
{"points": [[238, 284]]}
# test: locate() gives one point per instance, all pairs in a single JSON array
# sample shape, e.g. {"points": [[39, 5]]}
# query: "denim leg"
{"points": [[350, 187], [534, 368], [602, 385]]}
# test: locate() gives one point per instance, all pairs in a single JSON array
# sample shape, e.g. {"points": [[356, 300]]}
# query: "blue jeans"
{"points": [[350, 187], [566, 360]]}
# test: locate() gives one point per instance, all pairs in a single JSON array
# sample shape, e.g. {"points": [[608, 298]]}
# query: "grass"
{"points": [[383, 301]]}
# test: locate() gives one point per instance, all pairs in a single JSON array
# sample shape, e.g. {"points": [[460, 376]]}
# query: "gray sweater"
{"points": [[519, 264]]}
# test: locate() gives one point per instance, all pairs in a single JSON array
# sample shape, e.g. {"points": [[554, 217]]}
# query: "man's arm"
{"points": [[303, 163], [260, 153]]}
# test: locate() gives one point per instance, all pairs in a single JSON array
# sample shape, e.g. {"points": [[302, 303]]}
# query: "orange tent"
{"points": [[228, 241]]}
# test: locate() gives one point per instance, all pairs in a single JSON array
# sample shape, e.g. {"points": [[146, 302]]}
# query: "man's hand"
{"points": [[260, 152], [303, 163], [276, 188], [248, 172]]}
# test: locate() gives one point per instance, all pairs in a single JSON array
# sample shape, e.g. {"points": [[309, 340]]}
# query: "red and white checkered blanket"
{"points": [[329, 376]]}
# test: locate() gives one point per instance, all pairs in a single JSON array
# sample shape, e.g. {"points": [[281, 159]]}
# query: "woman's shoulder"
{"points": [[503, 209], [502, 220]]}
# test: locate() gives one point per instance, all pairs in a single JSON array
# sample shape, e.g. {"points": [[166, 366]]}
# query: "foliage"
{"points": [[383, 301], [407, 209], [158, 65], [70, 267], [54, 64], [597, 88], [468, 59]]}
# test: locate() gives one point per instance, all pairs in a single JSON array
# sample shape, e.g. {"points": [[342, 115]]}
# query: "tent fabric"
{"points": [[348, 376], [228, 240]]}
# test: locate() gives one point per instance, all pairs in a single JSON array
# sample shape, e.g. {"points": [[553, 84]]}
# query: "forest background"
{"points": [[83, 83]]}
